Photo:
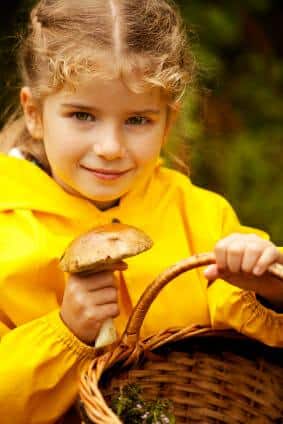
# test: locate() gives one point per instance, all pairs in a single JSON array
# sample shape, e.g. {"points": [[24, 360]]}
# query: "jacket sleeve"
{"points": [[39, 356], [232, 307]]}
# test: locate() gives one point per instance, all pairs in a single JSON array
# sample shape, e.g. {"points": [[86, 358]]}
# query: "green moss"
{"points": [[132, 408]]}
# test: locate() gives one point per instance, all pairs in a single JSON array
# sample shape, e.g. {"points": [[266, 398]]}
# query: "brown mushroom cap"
{"points": [[103, 246]]}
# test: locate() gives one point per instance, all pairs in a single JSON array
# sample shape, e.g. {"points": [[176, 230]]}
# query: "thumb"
{"points": [[211, 272]]}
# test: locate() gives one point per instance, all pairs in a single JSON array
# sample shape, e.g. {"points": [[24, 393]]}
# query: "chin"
{"points": [[107, 194], [103, 197]]}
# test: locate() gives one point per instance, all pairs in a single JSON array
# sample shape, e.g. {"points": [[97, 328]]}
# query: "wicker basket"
{"points": [[210, 376]]}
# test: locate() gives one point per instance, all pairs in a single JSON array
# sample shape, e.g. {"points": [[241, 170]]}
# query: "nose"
{"points": [[110, 144]]}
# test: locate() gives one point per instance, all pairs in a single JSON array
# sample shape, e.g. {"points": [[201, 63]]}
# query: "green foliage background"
{"points": [[231, 123]]}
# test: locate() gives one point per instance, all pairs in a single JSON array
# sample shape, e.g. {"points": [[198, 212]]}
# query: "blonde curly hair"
{"points": [[72, 40]]}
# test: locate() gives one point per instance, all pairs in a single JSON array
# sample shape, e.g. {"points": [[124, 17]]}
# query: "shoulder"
{"points": [[191, 192], [204, 207], [206, 212]]}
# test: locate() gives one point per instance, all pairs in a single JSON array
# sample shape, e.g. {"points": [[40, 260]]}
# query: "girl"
{"points": [[102, 83]]}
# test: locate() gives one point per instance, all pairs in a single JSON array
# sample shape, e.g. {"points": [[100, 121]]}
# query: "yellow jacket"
{"points": [[39, 356]]}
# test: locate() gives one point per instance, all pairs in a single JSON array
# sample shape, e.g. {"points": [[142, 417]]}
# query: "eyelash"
{"points": [[76, 115]]}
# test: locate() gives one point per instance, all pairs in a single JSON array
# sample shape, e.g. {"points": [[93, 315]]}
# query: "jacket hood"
{"points": [[24, 185]]}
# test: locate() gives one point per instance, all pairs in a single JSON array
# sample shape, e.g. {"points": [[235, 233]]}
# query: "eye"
{"points": [[83, 116], [137, 120]]}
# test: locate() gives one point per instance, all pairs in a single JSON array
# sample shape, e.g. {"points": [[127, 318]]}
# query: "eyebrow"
{"points": [[89, 108]]}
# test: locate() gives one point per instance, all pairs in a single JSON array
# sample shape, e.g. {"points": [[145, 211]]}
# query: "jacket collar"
{"points": [[25, 186]]}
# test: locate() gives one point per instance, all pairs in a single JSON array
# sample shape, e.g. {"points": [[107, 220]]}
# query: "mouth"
{"points": [[107, 174]]}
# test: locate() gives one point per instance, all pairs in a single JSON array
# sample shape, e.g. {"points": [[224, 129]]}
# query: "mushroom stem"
{"points": [[107, 334]]}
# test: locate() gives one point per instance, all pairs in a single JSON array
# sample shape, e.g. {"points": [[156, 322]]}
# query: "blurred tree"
{"points": [[12, 26], [232, 122]]}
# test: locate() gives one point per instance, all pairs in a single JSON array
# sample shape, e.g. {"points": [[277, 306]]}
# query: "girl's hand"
{"points": [[89, 301], [242, 260]]}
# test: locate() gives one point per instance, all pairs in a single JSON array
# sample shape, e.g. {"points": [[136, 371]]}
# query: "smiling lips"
{"points": [[106, 174]]}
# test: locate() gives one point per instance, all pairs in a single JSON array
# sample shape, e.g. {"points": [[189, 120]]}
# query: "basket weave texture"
{"points": [[213, 377]]}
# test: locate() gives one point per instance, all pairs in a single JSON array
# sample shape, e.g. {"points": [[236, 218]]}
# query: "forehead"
{"points": [[110, 94]]}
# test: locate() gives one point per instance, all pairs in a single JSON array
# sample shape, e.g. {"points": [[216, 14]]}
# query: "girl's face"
{"points": [[102, 139]]}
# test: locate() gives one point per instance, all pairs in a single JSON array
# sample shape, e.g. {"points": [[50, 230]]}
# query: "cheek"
{"points": [[147, 147], [60, 143]]}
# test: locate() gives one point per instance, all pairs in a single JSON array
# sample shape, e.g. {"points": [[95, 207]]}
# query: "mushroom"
{"points": [[97, 250]]}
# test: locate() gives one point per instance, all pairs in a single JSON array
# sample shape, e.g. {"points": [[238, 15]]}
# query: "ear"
{"points": [[32, 113]]}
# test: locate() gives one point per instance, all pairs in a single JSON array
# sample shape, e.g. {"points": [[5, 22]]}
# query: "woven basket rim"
{"points": [[127, 356]]}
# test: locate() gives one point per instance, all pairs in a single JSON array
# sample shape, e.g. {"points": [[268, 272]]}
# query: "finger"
{"points": [[96, 281], [268, 257], [110, 282], [104, 296], [220, 250], [250, 257], [110, 310], [221, 254], [235, 254]]}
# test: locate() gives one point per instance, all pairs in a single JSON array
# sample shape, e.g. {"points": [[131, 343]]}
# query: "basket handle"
{"points": [[131, 333]]}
